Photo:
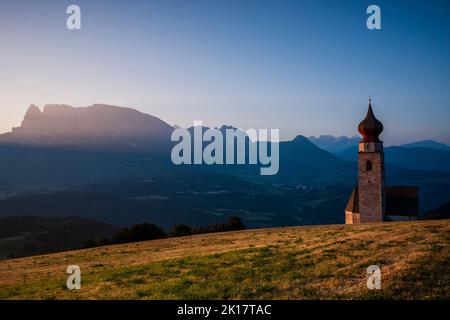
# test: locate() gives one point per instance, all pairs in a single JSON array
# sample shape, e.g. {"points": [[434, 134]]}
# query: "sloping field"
{"points": [[319, 262]]}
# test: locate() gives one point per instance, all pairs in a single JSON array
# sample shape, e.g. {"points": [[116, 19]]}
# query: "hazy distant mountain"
{"points": [[98, 126], [427, 144], [334, 144], [301, 160], [339, 144], [411, 158]]}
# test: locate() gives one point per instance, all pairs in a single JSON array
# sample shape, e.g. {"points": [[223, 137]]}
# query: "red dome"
{"points": [[370, 127]]}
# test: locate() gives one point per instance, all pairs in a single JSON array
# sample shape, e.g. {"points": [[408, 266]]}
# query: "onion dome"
{"points": [[370, 127]]}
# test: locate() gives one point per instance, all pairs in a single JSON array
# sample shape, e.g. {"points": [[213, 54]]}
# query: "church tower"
{"points": [[371, 170], [371, 200]]}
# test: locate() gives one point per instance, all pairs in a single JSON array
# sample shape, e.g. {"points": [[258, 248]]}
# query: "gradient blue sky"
{"points": [[306, 67]]}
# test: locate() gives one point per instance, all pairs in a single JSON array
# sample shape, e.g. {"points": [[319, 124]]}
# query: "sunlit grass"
{"points": [[323, 262]]}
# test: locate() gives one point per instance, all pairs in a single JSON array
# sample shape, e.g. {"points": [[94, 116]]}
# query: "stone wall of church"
{"points": [[371, 186], [352, 218]]}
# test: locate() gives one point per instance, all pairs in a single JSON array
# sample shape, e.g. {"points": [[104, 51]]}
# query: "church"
{"points": [[371, 200]]}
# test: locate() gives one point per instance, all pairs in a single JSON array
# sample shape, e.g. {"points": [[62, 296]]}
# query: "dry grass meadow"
{"points": [[317, 262]]}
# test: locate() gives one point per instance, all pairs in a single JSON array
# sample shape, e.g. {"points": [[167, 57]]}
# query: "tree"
{"points": [[180, 230], [139, 232], [235, 223]]}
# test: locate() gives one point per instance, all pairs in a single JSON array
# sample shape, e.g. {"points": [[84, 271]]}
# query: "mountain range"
{"points": [[95, 127], [418, 158], [334, 144], [113, 164], [431, 144], [340, 144]]}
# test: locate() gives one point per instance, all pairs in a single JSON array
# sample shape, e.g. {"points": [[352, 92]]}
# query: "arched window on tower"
{"points": [[368, 165]]}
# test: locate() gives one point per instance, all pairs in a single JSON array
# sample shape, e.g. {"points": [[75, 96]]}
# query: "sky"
{"points": [[304, 67]]}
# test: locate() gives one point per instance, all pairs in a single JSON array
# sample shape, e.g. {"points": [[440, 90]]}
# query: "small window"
{"points": [[369, 165]]}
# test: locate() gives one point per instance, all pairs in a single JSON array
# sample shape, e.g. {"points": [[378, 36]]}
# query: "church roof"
{"points": [[400, 201], [353, 201], [370, 128]]}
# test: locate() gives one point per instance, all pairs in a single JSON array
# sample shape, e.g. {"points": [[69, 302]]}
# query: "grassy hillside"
{"points": [[324, 262]]}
